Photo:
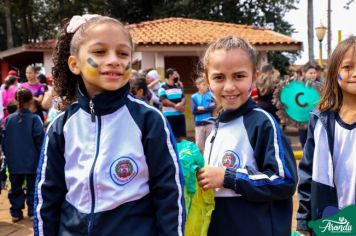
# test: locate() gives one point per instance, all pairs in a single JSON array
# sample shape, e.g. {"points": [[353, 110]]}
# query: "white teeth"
{"points": [[110, 73]]}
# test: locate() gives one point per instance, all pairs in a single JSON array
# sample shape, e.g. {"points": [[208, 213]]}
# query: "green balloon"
{"points": [[298, 100]]}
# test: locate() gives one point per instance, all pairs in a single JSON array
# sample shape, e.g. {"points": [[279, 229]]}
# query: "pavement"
{"points": [[24, 227], [7, 228]]}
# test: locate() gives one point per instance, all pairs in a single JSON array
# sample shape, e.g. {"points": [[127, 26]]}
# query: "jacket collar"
{"points": [[324, 117], [104, 103], [327, 119], [25, 110], [228, 115]]}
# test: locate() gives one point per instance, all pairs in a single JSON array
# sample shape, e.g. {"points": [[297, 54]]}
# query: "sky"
{"points": [[341, 19]]}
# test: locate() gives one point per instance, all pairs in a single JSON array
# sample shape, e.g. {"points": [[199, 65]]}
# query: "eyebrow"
{"points": [[104, 44], [216, 73]]}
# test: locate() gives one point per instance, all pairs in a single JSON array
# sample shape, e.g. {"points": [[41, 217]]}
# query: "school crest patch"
{"points": [[230, 159], [123, 170]]}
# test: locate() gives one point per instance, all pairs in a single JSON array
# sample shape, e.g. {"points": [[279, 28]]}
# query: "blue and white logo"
{"points": [[230, 159], [123, 170]]}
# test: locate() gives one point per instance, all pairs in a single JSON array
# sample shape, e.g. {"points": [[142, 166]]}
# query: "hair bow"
{"points": [[77, 21]]}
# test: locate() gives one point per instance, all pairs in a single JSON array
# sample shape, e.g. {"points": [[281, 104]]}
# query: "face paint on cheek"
{"points": [[92, 62], [127, 73], [91, 70], [339, 77]]}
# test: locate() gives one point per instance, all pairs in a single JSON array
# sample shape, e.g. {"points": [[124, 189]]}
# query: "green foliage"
{"points": [[282, 60]]}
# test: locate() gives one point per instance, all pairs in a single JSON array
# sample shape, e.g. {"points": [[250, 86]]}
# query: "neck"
{"points": [[32, 82]]}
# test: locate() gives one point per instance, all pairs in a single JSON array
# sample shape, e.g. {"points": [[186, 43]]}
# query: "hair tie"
{"points": [[78, 21]]}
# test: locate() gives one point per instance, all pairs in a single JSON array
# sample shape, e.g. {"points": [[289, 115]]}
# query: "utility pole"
{"points": [[310, 31], [329, 28]]}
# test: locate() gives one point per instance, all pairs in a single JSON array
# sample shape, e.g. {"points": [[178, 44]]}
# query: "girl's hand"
{"points": [[211, 177]]}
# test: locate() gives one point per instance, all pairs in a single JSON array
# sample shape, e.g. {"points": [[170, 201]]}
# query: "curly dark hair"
{"points": [[65, 82]]}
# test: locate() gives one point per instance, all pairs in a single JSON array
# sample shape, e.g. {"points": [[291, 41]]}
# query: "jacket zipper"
{"points": [[92, 112], [91, 175], [216, 127]]}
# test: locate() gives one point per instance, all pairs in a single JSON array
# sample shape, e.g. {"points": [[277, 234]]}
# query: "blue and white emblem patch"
{"points": [[123, 170], [230, 159]]}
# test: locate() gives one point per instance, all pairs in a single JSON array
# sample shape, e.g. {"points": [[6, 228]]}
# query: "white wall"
{"points": [[48, 62]]}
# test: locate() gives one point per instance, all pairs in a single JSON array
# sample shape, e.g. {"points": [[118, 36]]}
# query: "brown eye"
{"points": [[99, 52], [217, 78], [347, 67]]}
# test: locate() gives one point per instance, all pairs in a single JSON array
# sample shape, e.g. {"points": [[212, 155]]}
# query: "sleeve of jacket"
{"points": [[38, 133], [194, 106], [305, 179], [195, 110], [50, 182], [165, 176], [4, 138], [276, 175]]}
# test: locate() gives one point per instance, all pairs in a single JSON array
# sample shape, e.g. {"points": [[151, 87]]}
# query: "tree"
{"points": [[9, 39]]}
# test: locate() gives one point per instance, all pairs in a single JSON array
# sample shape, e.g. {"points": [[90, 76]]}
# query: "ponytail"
{"points": [[22, 96]]}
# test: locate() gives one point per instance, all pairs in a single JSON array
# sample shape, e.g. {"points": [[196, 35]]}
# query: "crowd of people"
{"points": [[112, 131]]}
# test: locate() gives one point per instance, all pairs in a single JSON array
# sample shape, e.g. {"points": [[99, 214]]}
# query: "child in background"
{"points": [[8, 93], [248, 162], [139, 89], [266, 84], [309, 73], [328, 167], [23, 137], [109, 165], [203, 105]]}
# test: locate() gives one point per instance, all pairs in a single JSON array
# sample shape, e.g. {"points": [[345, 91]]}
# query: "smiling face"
{"points": [[347, 73], [230, 76], [104, 58]]}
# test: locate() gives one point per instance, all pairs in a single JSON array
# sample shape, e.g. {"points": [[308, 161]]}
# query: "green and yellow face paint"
{"points": [[127, 73], [92, 68]]}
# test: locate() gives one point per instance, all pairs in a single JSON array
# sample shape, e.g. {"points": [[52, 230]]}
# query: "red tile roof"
{"points": [[183, 31], [46, 44]]}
